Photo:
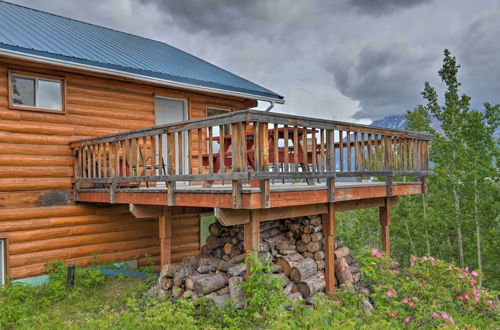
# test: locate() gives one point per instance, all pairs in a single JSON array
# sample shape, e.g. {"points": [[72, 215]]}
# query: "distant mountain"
{"points": [[399, 122], [392, 121]]}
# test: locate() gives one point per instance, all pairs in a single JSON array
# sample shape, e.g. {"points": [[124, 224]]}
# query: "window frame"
{"points": [[5, 259], [37, 76], [227, 110]]}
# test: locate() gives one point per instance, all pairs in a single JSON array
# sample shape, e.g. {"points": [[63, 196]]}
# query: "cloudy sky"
{"points": [[354, 60]]}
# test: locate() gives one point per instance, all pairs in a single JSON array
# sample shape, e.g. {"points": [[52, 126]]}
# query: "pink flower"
{"points": [[445, 316], [466, 297], [394, 314], [476, 299], [411, 305], [376, 254], [449, 267], [446, 324], [408, 319], [414, 258], [457, 268], [395, 262], [405, 301], [390, 293], [461, 298], [466, 269], [472, 281], [424, 258], [435, 315], [412, 265], [466, 274], [432, 258], [474, 273], [394, 271]]}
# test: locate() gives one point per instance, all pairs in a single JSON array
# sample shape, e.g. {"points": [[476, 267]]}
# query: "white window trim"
{"points": [[37, 87]]}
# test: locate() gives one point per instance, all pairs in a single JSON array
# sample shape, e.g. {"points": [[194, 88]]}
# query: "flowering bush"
{"points": [[430, 293]]}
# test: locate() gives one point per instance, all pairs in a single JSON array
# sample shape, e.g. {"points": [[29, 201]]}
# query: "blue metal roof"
{"points": [[33, 32]]}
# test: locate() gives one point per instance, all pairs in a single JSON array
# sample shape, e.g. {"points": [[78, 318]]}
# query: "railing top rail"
{"points": [[250, 115]]}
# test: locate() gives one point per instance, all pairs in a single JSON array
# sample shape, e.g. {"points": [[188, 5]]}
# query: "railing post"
{"points": [[263, 150], [171, 168], [237, 162]]}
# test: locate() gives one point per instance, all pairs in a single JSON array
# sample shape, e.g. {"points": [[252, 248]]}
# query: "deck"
{"points": [[250, 160], [253, 166]]}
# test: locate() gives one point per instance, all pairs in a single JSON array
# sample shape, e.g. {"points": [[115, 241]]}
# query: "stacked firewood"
{"points": [[295, 246]]}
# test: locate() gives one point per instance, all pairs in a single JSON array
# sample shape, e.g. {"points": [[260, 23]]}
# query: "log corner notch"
{"points": [[329, 227], [385, 221], [165, 229]]}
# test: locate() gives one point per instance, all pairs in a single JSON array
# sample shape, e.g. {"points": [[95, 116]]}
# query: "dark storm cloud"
{"points": [[218, 17], [479, 54], [380, 7], [386, 79], [342, 59]]}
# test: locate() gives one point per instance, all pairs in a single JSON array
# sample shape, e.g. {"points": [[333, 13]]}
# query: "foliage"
{"points": [[429, 293]]}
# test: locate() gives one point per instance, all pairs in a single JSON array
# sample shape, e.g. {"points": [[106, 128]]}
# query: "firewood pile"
{"points": [[295, 247]]}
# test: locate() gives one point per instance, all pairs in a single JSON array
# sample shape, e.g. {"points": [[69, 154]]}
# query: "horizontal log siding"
{"points": [[36, 170]]}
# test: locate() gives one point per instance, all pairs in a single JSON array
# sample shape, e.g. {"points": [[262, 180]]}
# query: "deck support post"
{"points": [[165, 222], [328, 222], [251, 234], [385, 221]]}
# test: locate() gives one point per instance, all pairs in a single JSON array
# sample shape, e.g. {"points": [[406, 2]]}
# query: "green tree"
{"points": [[462, 193]]}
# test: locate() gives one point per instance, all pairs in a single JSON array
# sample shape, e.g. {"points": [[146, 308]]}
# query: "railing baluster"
{"points": [[286, 165], [314, 150], [275, 148], [243, 149], [305, 161], [341, 150], [349, 150], [357, 157], [369, 152], [364, 154], [295, 149], [322, 150], [222, 153], [180, 151], [161, 170], [171, 153], [210, 150], [200, 151], [257, 145]]}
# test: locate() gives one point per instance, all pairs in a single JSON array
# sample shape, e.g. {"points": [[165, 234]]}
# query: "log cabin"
{"points": [[115, 145]]}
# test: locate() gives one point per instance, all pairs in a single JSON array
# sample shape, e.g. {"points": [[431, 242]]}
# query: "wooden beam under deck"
{"points": [[249, 200]]}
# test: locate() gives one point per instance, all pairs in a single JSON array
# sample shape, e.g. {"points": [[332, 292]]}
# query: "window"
{"points": [[216, 129], [3, 268], [36, 93]]}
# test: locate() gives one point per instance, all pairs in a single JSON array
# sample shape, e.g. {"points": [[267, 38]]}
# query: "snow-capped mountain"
{"points": [[392, 121]]}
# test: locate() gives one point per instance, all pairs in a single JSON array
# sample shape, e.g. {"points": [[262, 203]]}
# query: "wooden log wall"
{"points": [[37, 214]]}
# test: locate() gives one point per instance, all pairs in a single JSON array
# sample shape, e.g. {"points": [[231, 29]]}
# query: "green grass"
{"points": [[431, 287], [205, 222]]}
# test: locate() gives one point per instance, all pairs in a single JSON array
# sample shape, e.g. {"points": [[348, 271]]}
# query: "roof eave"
{"points": [[143, 78]]}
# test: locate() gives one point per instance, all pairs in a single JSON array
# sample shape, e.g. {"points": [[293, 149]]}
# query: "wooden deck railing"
{"points": [[247, 147]]}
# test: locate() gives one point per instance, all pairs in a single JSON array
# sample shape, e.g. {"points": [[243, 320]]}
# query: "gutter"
{"points": [[143, 78]]}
